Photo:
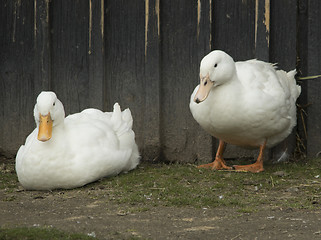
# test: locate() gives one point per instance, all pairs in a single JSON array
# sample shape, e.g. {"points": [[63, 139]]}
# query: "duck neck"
{"points": [[227, 92], [233, 82]]}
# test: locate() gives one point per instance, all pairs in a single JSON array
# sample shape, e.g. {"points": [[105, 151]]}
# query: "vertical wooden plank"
{"points": [[203, 142], [314, 86], [234, 32], [262, 29], [70, 58], [42, 43], [283, 34], [283, 52], [96, 53], [180, 73], [16, 73], [302, 67], [151, 133], [234, 28], [125, 59]]}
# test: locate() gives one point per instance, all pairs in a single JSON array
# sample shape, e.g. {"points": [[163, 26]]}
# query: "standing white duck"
{"points": [[73, 151], [249, 104]]}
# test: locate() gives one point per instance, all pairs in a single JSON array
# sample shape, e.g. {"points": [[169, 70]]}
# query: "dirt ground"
{"points": [[88, 211], [74, 211]]}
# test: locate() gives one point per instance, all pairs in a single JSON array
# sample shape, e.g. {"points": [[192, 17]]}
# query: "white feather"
{"points": [[251, 101], [84, 147]]}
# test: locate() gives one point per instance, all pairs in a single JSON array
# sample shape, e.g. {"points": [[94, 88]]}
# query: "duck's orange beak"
{"points": [[45, 128], [204, 89]]}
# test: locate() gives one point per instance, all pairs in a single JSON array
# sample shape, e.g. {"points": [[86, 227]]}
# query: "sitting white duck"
{"points": [[249, 104], [73, 151]]}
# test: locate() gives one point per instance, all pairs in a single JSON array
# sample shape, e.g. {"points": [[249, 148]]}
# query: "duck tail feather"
{"points": [[122, 121], [122, 124], [127, 117], [291, 74], [295, 89], [116, 117]]}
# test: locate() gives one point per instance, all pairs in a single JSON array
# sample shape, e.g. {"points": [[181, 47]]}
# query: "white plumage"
{"points": [[84, 147], [248, 103]]}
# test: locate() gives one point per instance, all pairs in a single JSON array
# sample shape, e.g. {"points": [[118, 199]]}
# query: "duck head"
{"points": [[216, 69], [48, 113]]}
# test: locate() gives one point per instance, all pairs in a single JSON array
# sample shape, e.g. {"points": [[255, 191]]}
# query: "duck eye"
{"points": [[54, 103], [215, 65]]}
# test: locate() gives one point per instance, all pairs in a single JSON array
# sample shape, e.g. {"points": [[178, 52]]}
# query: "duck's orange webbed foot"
{"points": [[218, 164], [255, 168]]}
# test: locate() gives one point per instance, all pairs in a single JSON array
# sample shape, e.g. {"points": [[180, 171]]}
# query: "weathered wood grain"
{"points": [[42, 43], [96, 52], [125, 79], [283, 36], [145, 55], [204, 146], [262, 29], [302, 67], [70, 57], [16, 73], [180, 68], [151, 149], [314, 86], [234, 28]]}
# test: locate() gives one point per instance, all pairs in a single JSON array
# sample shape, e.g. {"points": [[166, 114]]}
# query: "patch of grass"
{"points": [[247, 210], [185, 185], [39, 234], [287, 185], [9, 198], [8, 177]]}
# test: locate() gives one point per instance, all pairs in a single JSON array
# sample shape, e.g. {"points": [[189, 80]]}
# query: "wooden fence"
{"points": [[145, 55]]}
